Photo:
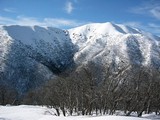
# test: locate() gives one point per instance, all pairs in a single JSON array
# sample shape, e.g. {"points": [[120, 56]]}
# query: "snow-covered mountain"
{"points": [[115, 43], [30, 55]]}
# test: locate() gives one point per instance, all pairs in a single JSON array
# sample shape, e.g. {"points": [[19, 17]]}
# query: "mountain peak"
{"points": [[108, 28]]}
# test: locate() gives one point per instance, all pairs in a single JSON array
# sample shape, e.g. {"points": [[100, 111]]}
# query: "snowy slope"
{"points": [[52, 43], [30, 55], [115, 42], [25, 112]]}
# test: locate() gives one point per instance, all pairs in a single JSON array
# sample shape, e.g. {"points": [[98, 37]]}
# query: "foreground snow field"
{"points": [[25, 112]]}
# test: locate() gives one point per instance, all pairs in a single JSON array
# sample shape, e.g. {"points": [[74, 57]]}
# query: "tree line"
{"points": [[95, 89], [85, 92]]}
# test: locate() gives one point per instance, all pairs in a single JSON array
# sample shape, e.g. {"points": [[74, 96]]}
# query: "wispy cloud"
{"points": [[62, 22], [150, 27], [153, 25], [69, 7], [30, 21], [155, 28], [10, 10], [151, 8], [133, 24], [5, 20], [156, 12]]}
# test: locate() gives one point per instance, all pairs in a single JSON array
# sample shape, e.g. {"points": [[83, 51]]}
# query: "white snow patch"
{"points": [[26, 112]]}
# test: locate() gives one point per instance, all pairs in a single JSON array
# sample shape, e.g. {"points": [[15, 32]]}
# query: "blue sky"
{"points": [[143, 14]]}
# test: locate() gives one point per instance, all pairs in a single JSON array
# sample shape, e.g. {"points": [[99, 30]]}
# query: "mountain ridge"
{"points": [[119, 39], [32, 54]]}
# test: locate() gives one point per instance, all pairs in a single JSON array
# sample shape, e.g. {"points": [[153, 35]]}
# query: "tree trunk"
{"points": [[58, 113]]}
